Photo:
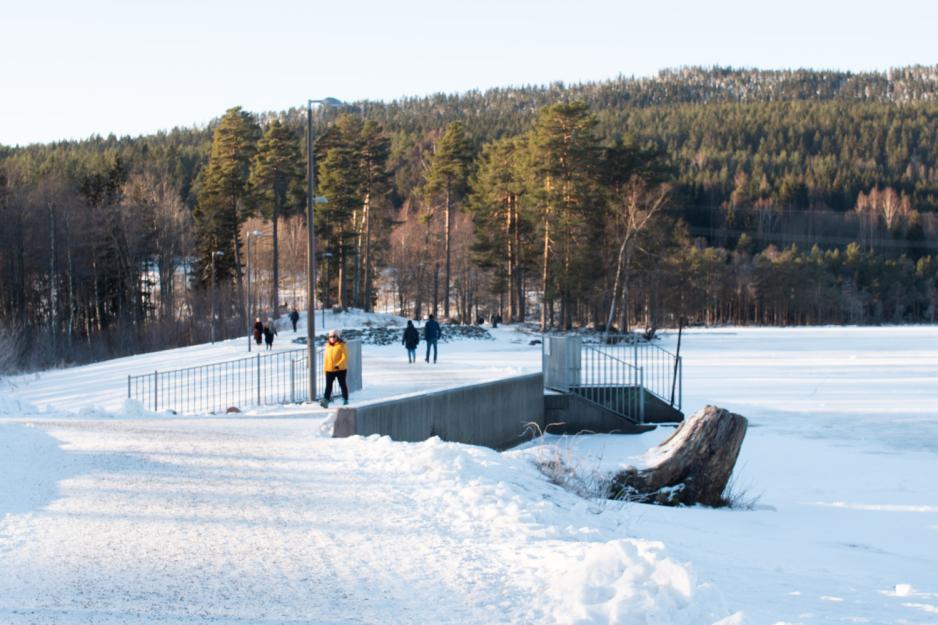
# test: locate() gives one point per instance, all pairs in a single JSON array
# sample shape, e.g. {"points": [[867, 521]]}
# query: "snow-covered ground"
{"points": [[110, 517]]}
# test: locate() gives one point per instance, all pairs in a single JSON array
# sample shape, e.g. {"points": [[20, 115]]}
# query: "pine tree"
{"points": [[562, 162], [221, 200], [447, 178], [340, 181], [499, 221], [375, 150], [276, 182]]}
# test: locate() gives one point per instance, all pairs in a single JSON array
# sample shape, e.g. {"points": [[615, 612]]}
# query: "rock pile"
{"points": [[391, 336]]}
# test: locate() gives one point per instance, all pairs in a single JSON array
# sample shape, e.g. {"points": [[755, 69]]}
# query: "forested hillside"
{"points": [[713, 195]]}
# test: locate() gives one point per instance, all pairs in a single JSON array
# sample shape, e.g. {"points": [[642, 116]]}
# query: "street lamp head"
{"points": [[331, 103]]}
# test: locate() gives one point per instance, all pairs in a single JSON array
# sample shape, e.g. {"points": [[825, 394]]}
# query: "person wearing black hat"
{"points": [[335, 364]]}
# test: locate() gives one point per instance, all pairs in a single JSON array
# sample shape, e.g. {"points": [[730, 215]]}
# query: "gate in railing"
{"points": [[615, 374], [263, 379]]}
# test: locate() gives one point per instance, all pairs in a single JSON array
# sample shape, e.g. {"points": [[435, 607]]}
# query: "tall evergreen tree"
{"points": [[499, 220], [375, 151], [276, 181], [447, 179], [563, 153], [221, 200], [340, 181]]}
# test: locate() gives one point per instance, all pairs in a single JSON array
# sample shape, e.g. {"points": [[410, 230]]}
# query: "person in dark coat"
{"points": [[410, 341], [294, 318], [258, 331], [269, 332], [431, 334]]}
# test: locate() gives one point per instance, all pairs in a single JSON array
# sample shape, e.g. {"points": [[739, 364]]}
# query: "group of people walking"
{"points": [[431, 334], [264, 332], [335, 357]]}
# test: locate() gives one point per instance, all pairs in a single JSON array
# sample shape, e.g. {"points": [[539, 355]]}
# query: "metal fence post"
{"points": [[680, 383], [292, 380], [258, 379], [641, 395], [128, 387], [156, 390], [635, 350]]}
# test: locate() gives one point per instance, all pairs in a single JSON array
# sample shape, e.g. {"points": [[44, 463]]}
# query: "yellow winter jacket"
{"points": [[335, 357]]}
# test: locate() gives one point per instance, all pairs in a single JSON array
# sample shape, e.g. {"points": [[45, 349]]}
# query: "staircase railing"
{"points": [[611, 382], [615, 373], [662, 369]]}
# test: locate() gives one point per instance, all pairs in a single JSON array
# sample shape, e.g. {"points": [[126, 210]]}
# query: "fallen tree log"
{"points": [[692, 466]]}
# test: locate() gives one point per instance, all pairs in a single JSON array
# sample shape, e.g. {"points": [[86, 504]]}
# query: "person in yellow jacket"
{"points": [[335, 364]]}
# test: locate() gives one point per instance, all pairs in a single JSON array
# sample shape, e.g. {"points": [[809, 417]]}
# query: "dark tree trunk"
{"points": [[447, 251], [275, 285]]}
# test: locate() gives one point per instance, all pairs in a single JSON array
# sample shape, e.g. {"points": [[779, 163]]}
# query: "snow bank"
{"points": [[584, 573], [629, 581]]}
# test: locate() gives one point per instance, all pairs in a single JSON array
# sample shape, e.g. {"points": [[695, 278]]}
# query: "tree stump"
{"points": [[692, 466]]}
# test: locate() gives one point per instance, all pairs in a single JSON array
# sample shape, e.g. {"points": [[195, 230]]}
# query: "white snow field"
{"points": [[110, 514]]}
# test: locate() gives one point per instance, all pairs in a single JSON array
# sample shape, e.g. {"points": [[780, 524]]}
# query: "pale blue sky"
{"points": [[73, 68]]}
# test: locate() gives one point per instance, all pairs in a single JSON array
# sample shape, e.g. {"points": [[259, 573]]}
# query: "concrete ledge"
{"points": [[494, 414]]}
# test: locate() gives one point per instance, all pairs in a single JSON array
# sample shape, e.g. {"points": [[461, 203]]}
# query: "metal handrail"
{"points": [[263, 379], [630, 340], [616, 375], [611, 357], [611, 382]]}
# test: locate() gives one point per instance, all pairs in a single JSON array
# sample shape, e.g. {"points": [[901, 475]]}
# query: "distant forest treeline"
{"points": [[717, 195]]}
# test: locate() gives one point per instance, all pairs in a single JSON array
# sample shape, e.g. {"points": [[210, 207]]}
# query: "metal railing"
{"points": [[611, 382], [661, 369], [615, 373], [263, 379], [260, 380]]}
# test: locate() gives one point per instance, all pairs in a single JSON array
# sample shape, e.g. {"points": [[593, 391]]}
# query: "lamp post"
{"points": [[311, 243], [325, 257], [216, 254], [253, 234]]}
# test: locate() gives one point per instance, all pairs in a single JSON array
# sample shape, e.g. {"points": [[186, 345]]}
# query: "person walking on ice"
{"points": [[258, 331], [335, 364], [410, 341], [431, 334], [294, 317], [269, 332]]}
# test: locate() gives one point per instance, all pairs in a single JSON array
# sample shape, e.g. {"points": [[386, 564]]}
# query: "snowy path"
{"points": [[268, 522], [214, 522]]}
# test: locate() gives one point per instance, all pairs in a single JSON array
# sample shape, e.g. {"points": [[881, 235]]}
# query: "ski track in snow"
{"points": [[113, 517]]}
